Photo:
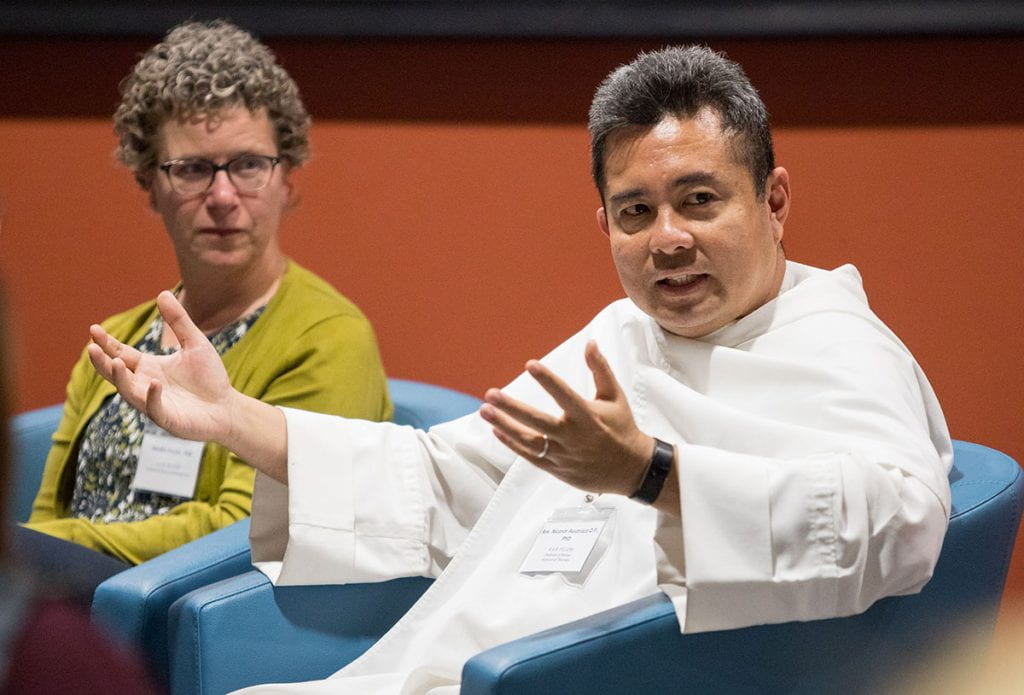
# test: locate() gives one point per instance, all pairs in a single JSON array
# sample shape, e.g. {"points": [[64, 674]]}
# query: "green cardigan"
{"points": [[311, 349]]}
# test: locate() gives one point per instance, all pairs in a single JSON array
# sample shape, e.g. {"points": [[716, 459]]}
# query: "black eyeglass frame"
{"points": [[214, 168]]}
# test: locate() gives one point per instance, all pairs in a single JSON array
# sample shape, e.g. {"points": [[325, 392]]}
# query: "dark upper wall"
{"points": [[805, 82], [550, 19]]}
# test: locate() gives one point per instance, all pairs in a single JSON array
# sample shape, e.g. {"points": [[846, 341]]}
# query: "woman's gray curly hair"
{"points": [[198, 69]]}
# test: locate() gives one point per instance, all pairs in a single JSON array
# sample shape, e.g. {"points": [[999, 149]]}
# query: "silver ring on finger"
{"points": [[544, 449]]}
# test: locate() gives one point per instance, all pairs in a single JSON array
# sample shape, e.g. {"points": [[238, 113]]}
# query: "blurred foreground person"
{"points": [[47, 644]]}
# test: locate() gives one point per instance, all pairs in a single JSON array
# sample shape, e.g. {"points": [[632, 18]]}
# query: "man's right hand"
{"points": [[186, 393], [189, 395]]}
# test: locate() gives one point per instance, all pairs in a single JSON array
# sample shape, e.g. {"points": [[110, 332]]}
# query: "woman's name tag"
{"points": [[167, 465]]}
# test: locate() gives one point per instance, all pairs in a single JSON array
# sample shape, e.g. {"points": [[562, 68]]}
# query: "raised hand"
{"points": [[186, 393], [593, 445]]}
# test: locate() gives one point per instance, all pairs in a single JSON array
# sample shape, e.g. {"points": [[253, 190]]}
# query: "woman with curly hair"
{"points": [[211, 126]]}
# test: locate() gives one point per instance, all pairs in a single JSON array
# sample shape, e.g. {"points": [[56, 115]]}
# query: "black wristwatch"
{"points": [[657, 471]]}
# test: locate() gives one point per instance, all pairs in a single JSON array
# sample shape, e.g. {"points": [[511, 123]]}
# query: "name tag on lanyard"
{"points": [[167, 465], [566, 540]]}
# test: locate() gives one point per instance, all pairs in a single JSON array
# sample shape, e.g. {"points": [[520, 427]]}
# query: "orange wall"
{"points": [[449, 197]]}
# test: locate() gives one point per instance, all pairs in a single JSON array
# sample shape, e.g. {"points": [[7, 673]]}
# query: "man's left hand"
{"points": [[593, 445]]}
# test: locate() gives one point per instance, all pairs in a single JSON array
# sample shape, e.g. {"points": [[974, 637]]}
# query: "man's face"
{"points": [[694, 245]]}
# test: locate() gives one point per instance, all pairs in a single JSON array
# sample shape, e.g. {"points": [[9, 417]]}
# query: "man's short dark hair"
{"points": [[679, 81]]}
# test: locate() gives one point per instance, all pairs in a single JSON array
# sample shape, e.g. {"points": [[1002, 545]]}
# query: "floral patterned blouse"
{"points": [[109, 453]]}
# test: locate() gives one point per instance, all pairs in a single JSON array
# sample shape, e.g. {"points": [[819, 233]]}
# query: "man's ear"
{"points": [[778, 198], [602, 220]]}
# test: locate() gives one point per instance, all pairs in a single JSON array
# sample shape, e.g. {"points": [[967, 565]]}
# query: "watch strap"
{"points": [[657, 471]]}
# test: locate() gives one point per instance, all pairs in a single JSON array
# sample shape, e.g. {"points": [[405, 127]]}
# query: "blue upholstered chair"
{"points": [[133, 604], [243, 630]]}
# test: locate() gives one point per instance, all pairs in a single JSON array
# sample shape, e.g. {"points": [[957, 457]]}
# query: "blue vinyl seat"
{"points": [[244, 631], [132, 605]]}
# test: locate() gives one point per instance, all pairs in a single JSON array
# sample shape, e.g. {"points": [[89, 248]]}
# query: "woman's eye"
{"points": [[196, 169], [246, 164]]}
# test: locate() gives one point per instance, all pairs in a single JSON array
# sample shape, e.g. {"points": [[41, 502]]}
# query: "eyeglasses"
{"points": [[247, 172]]}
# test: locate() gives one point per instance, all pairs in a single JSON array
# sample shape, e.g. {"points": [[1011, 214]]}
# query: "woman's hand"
{"points": [[186, 393]]}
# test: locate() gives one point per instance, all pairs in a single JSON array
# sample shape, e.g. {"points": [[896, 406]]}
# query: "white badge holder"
{"points": [[167, 465], [571, 543]]}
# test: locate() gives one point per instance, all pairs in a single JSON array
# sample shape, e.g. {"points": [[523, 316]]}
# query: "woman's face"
{"points": [[221, 227]]}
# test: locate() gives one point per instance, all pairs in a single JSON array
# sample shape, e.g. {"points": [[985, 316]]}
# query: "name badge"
{"points": [[566, 540], [167, 465]]}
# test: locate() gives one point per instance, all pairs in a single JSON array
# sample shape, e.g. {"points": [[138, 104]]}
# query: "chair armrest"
{"points": [[243, 631], [31, 434], [132, 605], [638, 647], [606, 652]]}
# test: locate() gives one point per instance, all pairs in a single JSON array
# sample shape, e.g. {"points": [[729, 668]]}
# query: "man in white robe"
{"points": [[741, 433]]}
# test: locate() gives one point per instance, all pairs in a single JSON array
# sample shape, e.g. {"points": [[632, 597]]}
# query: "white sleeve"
{"points": [[369, 501], [373, 501], [813, 513], [818, 537]]}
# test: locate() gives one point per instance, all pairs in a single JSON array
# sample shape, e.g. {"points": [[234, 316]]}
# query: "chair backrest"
{"points": [[967, 585], [30, 440], [425, 405]]}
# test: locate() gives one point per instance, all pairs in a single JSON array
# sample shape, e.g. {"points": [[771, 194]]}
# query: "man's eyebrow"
{"points": [[627, 195], [696, 178]]}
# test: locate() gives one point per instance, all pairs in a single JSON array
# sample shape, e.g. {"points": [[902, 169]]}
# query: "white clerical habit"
{"points": [[812, 465]]}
